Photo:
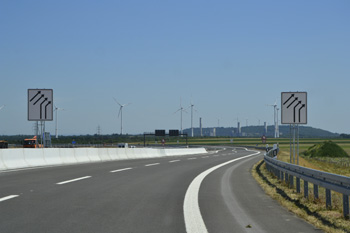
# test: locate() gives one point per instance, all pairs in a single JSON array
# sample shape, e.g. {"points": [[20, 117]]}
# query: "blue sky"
{"points": [[230, 57]]}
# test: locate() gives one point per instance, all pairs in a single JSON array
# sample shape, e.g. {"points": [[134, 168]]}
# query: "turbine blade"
{"points": [[178, 110], [117, 101]]}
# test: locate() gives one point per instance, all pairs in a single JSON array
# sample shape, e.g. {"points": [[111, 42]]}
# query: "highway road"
{"points": [[212, 192]]}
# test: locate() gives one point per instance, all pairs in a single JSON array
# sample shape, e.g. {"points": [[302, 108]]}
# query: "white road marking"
{"points": [[193, 219], [77, 179], [205, 157], [123, 169], [152, 164], [191, 158], [8, 197], [174, 161]]}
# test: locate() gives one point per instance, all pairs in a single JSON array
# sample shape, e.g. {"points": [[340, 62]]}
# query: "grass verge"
{"points": [[312, 210]]}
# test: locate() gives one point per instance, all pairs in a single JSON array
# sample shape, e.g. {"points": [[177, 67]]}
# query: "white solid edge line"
{"points": [[8, 197], [193, 219], [69, 181], [174, 161], [152, 164], [119, 170]]}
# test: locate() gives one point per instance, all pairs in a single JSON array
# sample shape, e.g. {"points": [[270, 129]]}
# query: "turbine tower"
{"points": [[192, 108], [121, 114], [56, 130], [275, 118], [181, 109]]}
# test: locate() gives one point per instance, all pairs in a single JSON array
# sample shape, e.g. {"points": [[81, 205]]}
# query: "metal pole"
{"points": [[44, 137], [278, 131], [293, 143], [36, 133], [41, 132], [274, 118], [56, 123], [290, 142], [298, 146]]}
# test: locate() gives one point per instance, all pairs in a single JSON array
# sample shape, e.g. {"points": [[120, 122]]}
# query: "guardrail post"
{"points": [[282, 175], [306, 189], [298, 185], [316, 191], [286, 177], [346, 206], [291, 181], [328, 199]]}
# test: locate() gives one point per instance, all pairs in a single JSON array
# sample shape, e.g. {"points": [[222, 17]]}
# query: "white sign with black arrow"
{"points": [[294, 107], [40, 104]]}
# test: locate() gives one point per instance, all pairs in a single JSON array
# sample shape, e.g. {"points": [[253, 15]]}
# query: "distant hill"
{"points": [[258, 131]]}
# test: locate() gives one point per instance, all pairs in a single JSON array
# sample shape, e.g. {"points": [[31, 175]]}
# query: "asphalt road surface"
{"points": [[212, 192]]}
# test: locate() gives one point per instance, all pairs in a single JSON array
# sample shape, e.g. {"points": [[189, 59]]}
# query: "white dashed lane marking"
{"points": [[152, 164], [123, 169], [174, 161], [8, 198], [77, 179]]}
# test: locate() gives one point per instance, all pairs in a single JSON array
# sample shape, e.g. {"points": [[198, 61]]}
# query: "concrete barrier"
{"points": [[24, 158], [103, 154], [93, 155], [81, 155], [13, 158], [112, 152], [67, 156], [52, 156], [34, 158]]}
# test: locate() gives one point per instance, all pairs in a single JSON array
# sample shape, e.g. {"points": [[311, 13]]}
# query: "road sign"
{"points": [[294, 107], [159, 132], [174, 132], [40, 104], [263, 139]]}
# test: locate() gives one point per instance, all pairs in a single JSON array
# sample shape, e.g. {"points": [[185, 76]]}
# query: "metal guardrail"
{"points": [[286, 171]]}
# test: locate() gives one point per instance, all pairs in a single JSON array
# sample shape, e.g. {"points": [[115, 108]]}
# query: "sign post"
{"points": [[40, 107], [294, 112]]}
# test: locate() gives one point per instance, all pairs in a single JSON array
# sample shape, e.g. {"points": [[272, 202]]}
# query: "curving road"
{"points": [[173, 194]]}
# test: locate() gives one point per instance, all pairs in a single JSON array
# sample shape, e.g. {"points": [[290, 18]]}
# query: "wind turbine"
{"points": [[191, 106], [57, 109], [121, 114], [2, 106], [181, 109], [275, 117]]}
